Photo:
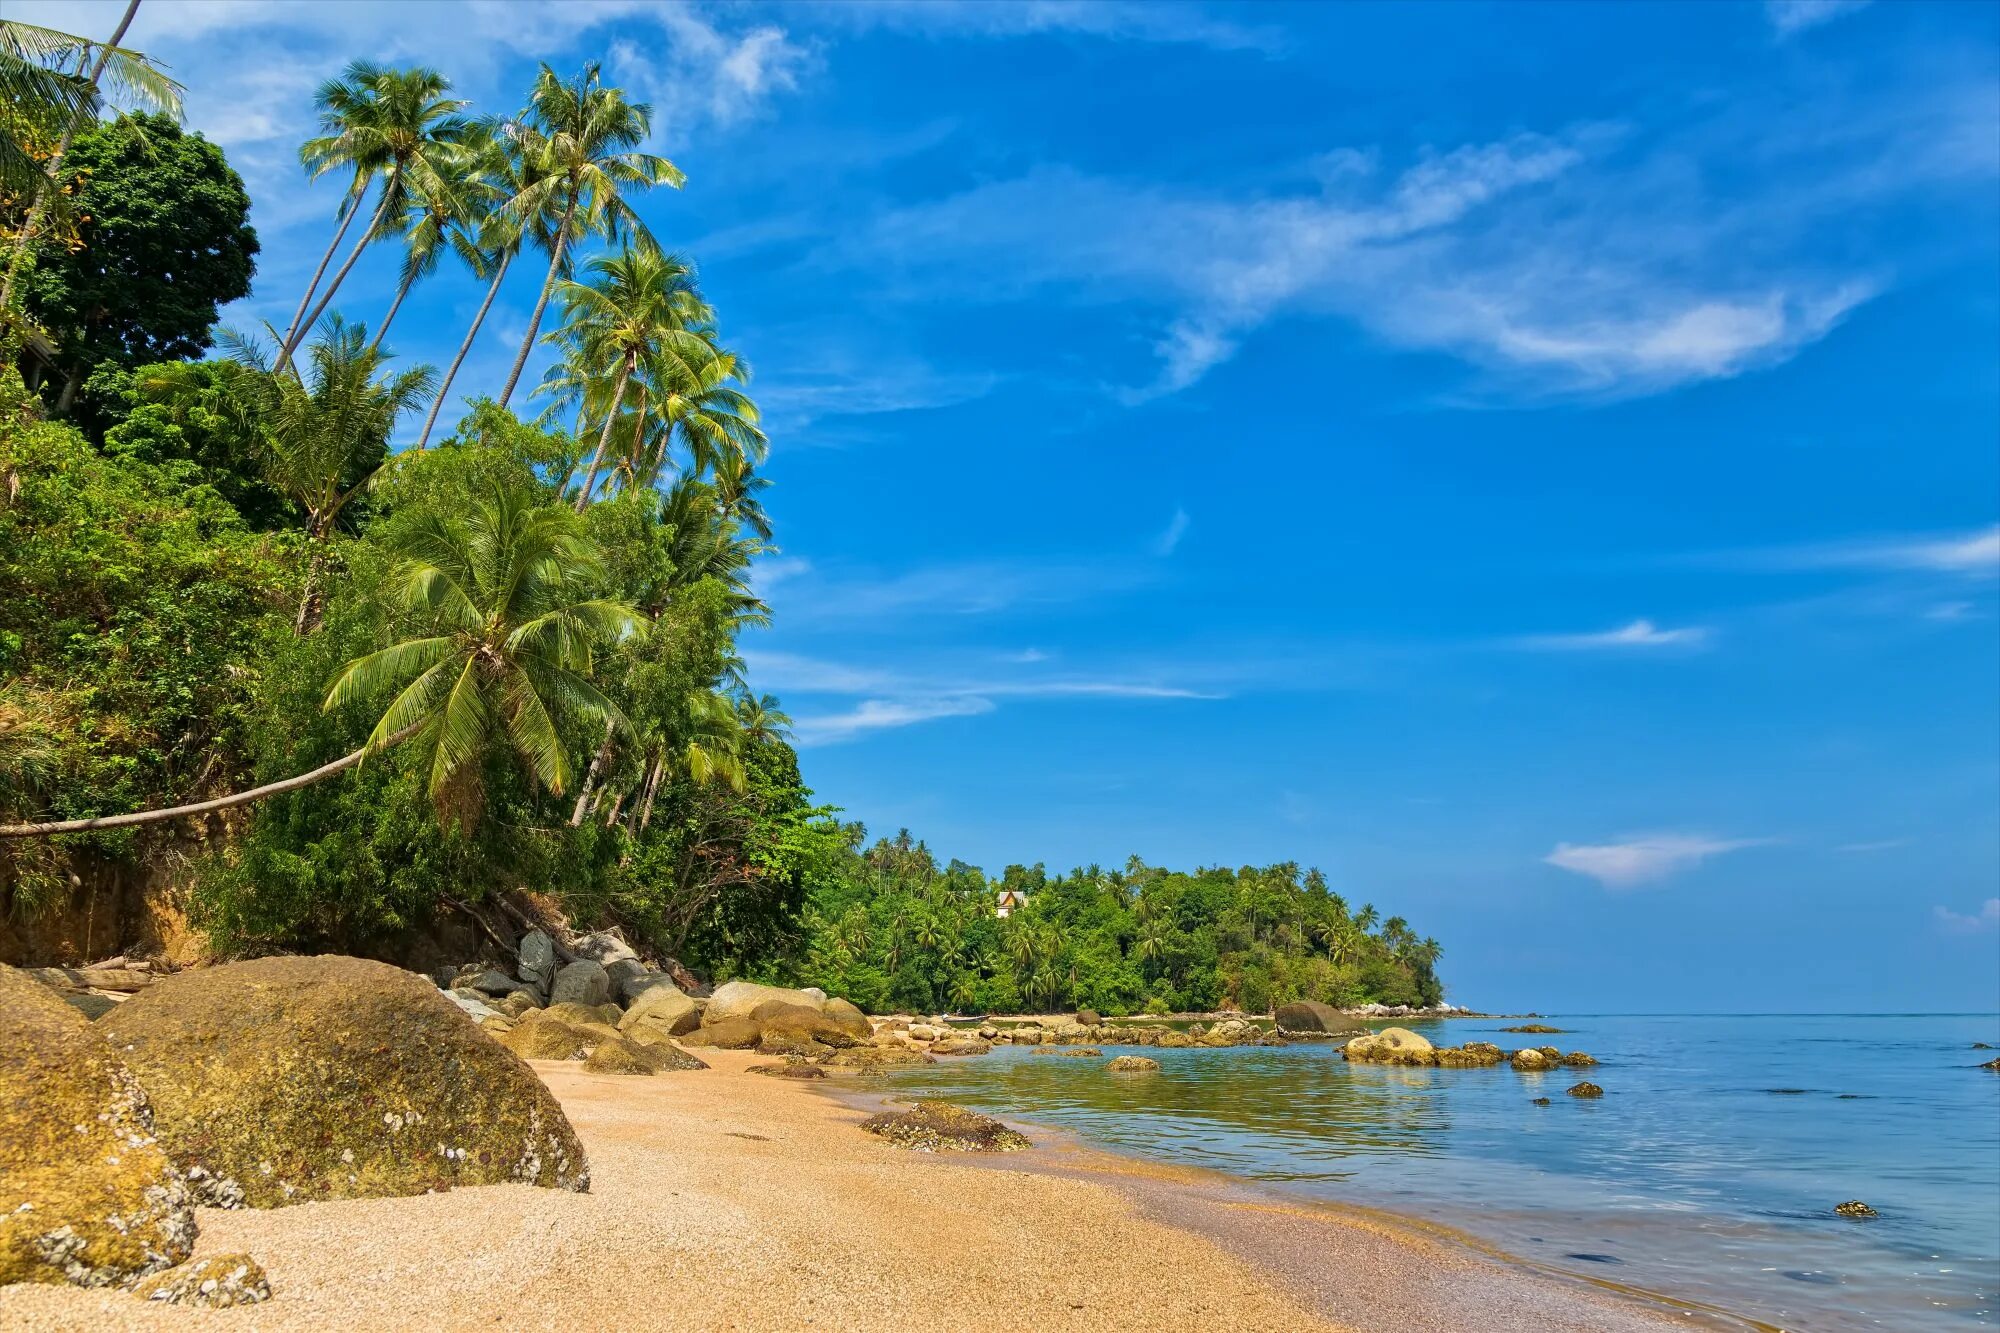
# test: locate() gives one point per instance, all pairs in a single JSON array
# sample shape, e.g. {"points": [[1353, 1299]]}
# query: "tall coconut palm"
{"points": [[503, 176], [640, 306], [325, 434], [504, 631], [582, 140], [397, 126], [761, 720], [736, 484], [42, 94], [448, 196]]}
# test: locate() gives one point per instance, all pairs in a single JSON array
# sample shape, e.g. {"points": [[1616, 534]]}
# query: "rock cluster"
{"points": [[1400, 1046], [942, 1127]]}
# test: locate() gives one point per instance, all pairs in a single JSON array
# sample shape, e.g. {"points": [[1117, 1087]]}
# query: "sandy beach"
{"points": [[726, 1200]]}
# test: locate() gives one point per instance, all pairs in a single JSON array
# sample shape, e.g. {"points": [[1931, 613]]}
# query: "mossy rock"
{"points": [[1586, 1090], [942, 1127], [1311, 1016], [1531, 1061], [217, 1283], [284, 1080], [731, 1034], [1541, 1101], [1534, 1027], [1855, 1208], [549, 1039], [878, 1057], [848, 1018], [1079, 1053], [963, 1046], [662, 1006], [621, 1056], [1579, 1060], [87, 1195], [790, 1069], [790, 1044], [1133, 1064], [582, 1014], [803, 1023]]}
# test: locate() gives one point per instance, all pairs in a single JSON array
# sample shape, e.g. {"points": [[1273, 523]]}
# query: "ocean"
{"points": [[1709, 1170]]}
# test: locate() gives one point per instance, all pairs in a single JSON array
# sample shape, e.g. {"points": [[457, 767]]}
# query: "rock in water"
{"points": [[86, 1194], [1529, 1060], [943, 1127], [287, 1079], [1391, 1046], [1855, 1208], [583, 982], [1586, 1090], [1311, 1016], [219, 1282], [1133, 1064], [739, 999], [1534, 1027]]}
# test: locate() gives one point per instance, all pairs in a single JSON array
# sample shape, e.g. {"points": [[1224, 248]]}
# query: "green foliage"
{"points": [[133, 603], [889, 924], [185, 412], [166, 241]]}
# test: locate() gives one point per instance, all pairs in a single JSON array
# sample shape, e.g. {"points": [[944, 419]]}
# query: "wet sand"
{"points": [[726, 1200]]}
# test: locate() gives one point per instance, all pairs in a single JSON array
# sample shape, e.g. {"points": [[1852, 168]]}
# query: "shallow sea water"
{"points": [[1709, 1170]]}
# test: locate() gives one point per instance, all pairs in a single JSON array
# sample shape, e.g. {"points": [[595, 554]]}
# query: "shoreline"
{"points": [[1285, 1235], [726, 1200]]}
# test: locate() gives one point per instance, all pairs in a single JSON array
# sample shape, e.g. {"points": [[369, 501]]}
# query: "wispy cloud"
{"points": [[894, 697], [1113, 20], [1170, 536], [1788, 17], [1642, 859], [1638, 635], [811, 594], [1865, 848], [1987, 917], [1974, 554]]}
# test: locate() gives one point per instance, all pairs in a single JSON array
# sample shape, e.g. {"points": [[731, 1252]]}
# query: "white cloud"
{"points": [[1170, 537], [1640, 634], [1642, 859], [1973, 554], [1794, 16], [705, 74], [1958, 923], [1114, 20], [771, 571], [1864, 848], [882, 715], [891, 698]]}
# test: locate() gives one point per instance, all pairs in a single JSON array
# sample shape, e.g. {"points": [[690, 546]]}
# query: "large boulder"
{"points": [[603, 947], [663, 1006], [739, 999], [1312, 1016], [731, 1034], [1390, 1046], [287, 1079], [801, 1023], [86, 1194], [849, 1019], [537, 963], [583, 982], [619, 1056]]}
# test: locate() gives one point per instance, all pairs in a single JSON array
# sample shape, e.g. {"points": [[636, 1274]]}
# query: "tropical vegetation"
{"points": [[339, 694]]}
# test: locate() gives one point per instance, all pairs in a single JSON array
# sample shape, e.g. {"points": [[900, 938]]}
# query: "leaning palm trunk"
{"points": [[652, 790], [625, 369], [465, 348], [326, 297], [541, 303], [25, 245], [402, 290], [234, 799], [332, 248]]}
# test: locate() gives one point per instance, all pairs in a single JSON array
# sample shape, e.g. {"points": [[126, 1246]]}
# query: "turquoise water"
{"points": [[1709, 1169]]}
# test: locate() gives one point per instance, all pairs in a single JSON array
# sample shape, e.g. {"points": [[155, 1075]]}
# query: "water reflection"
{"points": [[1692, 1174]]}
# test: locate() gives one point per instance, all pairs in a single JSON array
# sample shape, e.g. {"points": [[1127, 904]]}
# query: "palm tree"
{"points": [[502, 175], [447, 198], [761, 720], [34, 84], [582, 140], [641, 306], [327, 435], [736, 486], [505, 634], [389, 124]]}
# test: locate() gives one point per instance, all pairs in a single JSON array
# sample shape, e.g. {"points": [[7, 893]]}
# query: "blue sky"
{"points": [[1537, 463]]}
